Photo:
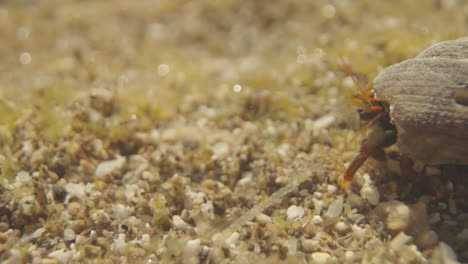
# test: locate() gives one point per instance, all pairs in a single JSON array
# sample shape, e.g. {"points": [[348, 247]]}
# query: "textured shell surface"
{"points": [[427, 98]]}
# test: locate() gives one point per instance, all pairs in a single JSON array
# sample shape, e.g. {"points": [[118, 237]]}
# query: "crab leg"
{"points": [[353, 167]]}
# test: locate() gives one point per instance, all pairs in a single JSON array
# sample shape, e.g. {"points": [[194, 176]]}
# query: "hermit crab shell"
{"points": [[427, 99]]}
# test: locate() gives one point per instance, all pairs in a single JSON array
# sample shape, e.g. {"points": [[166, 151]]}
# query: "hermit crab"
{"points": [[421, 104]]}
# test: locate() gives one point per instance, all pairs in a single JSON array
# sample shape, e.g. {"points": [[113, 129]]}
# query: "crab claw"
{"points": [[355, 165]]}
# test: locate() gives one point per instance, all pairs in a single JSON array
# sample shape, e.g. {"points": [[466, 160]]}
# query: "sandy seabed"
{"points": [[146, 131]]}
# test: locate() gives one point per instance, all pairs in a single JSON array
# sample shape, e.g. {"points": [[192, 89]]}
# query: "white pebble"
{"points": [[120, 211], [107, 168], [335, 208], [324, 121], [220, 150], [319, 257], [179, 223], [395, 214], [341, 227], [263, 219], [349, 255], [317, 220], [400, 240], [68, 234], [444, 254], [192, 251], [119, 244], [358, 233], [232, 240], [331, 188], [371, 194], [310, 245], [295, 212], [23, 177], [292, 246], [318, 205]]}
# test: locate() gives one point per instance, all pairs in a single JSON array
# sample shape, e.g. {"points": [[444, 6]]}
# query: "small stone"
{"points": [[295, 212], [120, 211], [400, 240], [3, 238], [341, 227], [324, 121], [370, 193], [358, 232], [192, 250], [4, 226], [335, 208], [320, 257], [427, 239], [349, 255], [463, 236], [263, 219], [443, 253], [395, 214], [119, 244], [309, 228], [29, 205], [74, 209], [68, 234], [332, 188], [103, 243], [317, 220], [179, 223], [137, 252], [310, 245], [75, 190], [107, 168], [92, 251], [232, 240]]}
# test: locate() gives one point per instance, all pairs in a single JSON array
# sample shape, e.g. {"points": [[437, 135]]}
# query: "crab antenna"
{"points": [[363, 92]]}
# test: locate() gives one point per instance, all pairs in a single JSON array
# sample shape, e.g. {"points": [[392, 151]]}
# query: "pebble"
{"points": [[263, 219], [4, 226], [136, 253], [324, 121], [75, 190], [317, 220], [179, 223], [335, 208], [370, 193], [399, 241], [358, 232], [232, 240], [349, 255], [319, 257], [192, 251], [463, 235], [396, 215], [310, 245], [107, 168], [68, 234], [427, 239], [120, 211], [119, 244], [443, 253], [92, 251], [341, 227], [295, 212]]}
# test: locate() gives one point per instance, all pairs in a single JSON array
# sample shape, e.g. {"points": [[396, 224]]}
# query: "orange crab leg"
{"points": [[373, 108], [355, 165]]}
